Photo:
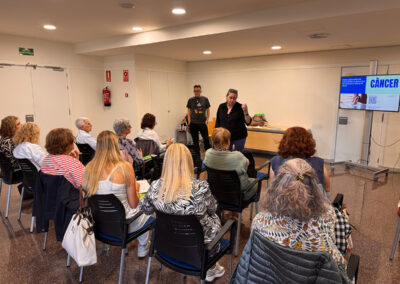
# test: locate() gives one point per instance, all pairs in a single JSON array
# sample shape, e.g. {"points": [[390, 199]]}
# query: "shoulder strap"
{"points": [[113, 170]]}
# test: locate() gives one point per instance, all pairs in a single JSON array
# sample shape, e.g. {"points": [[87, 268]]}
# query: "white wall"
{"points": [[161, 88], [85, 77], [298, 89]]}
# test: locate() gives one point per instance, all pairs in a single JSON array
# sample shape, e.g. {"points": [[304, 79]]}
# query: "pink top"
{"points": [[64, 165]]}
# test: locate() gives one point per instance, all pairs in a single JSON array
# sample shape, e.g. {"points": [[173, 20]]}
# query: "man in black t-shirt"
{"points": [[198, 114]]}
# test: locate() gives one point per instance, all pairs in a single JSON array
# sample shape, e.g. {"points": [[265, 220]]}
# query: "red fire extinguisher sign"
{"points": [[125, 76], [108, 76]]}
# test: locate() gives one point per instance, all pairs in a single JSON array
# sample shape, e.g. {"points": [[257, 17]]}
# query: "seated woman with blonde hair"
{"points": [[177, 192], [296, 214], [108, 173], [26, 140]]}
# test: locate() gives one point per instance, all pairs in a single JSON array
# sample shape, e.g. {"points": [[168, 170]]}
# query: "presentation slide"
{"points": [[377, 92]]}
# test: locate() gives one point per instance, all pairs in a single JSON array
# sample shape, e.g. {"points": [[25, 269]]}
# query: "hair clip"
{"points": [[300, 177]]}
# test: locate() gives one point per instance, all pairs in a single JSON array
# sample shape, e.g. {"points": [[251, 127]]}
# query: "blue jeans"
{"points": [[239, 145]]}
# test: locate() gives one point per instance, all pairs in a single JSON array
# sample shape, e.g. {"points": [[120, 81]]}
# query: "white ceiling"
{"points": [[230, 28]]}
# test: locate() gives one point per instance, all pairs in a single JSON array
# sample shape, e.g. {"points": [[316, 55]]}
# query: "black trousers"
{"points": [[194, 131]]}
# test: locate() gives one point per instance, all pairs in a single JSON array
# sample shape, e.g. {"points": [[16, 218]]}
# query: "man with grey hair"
{"points": [[122, 128], [84, 127]]}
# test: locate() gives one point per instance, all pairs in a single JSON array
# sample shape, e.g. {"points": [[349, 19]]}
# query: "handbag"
{"points": [[79, 240]]}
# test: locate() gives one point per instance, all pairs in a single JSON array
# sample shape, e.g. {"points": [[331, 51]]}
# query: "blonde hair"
{"points": [[29, 132], [220, 138], [107, 157], [176, 173]]}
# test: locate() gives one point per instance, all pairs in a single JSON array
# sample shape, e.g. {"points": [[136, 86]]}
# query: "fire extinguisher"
{"points": [[107, 96]]}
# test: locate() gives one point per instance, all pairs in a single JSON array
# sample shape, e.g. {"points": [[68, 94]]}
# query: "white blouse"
{"points": [[32, 152]]}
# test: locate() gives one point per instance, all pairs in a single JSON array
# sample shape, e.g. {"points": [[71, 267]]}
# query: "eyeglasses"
{"points": [[197, 91]]}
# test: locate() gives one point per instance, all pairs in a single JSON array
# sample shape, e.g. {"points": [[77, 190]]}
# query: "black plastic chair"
{"points": [[148, 147], [87, 153], [199, 167], [225, 186], [29, 175], [8, 175], [178, 243], [111, 227]]}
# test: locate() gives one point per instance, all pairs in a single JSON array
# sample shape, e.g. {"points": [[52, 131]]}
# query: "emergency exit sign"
{"points": [[26, 51]]}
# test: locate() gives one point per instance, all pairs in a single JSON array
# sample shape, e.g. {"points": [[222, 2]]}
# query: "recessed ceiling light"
{"points": [[126, 5], [276, 47], [137, 29], [207, 52], [178, 11], [318, 35], [49, 27]]}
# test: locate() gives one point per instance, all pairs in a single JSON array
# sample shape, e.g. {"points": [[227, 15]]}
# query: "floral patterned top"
{"points": [[317, 234], [7, 147], [201, 203], [129, 146]]}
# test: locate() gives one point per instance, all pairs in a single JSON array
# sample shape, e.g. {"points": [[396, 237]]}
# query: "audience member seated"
{"points": [[26, 140], [108, 173], [148, 133], [219, 157], [298, 142], [63, 159], [9, 125], [122, 128], [177, 192], [296, 214], [84, 127]]}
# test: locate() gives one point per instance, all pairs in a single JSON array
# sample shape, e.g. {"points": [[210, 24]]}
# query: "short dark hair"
{"points": [[233, 91], [58, 140], [196, 86], [148, 120]]}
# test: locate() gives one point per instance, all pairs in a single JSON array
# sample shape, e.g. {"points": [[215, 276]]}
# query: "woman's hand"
{"points": [[169, 142], [245, 109], [140, 152], [75, 154]]}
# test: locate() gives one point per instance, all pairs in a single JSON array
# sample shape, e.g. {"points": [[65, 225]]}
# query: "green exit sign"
{"points": [[26, 51]]}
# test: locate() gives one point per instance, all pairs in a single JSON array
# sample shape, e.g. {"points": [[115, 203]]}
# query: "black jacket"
{"points": [[263, 261], [55, 199], [234, 121]]}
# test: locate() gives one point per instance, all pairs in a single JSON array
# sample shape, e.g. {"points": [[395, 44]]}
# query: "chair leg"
{"points": [[45, 241], [148, 270], [81, 274], [20, 203], [238, 234], [121, 266], [32, 222], [230, 265], [68, 260], [8, 199], [396, 239], [202, 281], [256, 208], [251, 211], [1, 184]]}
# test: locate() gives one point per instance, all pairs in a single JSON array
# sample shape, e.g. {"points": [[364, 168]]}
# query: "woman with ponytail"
{"points": [[296, 214]]}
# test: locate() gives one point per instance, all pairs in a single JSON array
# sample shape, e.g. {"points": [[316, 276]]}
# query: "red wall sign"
{"points": [[125, 76], [108, 76]]}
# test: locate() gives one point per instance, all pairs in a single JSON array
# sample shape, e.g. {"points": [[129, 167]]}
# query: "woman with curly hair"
{"points": [[26, 140], [296, 214], [62, 159], [298, 142], [9, 125]]}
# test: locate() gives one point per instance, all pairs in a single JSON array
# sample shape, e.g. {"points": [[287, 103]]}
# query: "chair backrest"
{"points": [[148, 147], [225, 186], [87, 153], [195, 156], [263, 261], [29, 172], [109, 216], [179, 237], [6, 166]]}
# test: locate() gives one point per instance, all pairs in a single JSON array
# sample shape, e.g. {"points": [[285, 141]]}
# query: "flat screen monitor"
{"points": [[374, 92]]}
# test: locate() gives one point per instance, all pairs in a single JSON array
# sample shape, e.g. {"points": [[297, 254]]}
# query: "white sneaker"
{"points": [[143, 250], [215, 272]]}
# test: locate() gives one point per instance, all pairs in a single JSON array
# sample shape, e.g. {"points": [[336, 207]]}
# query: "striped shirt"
{"points": [[64, 165]]}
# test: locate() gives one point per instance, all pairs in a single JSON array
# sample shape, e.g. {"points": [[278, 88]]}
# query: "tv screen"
{"points": [[374, 92]]}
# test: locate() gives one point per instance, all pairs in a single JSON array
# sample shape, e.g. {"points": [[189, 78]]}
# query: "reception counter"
{"points": [[264, 139]]}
